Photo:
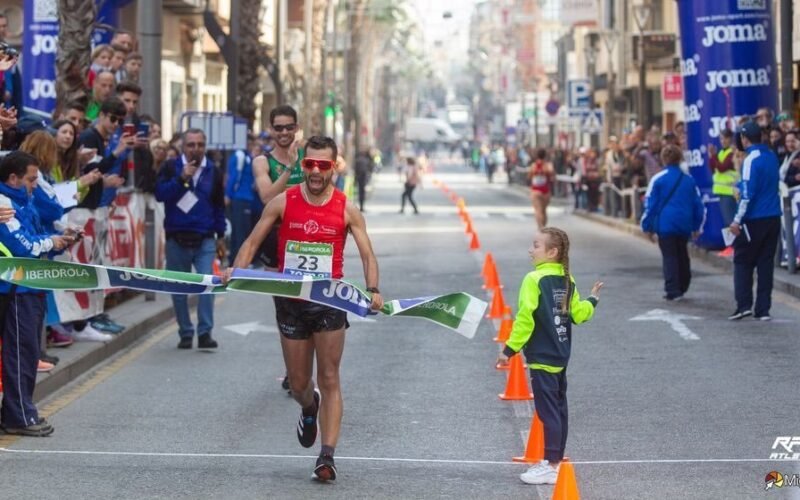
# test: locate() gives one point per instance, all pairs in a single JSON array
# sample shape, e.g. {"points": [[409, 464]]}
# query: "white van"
{"points": [[430, 131]]}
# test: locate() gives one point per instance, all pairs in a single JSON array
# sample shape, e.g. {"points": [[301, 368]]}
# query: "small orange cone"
{"points": [[566, 484], [492, 280], [534, 451], [453, 197], [474, 244], [487, 261], [517, 385], [505, 328], [498, 307], [469, 228], [460, 203]]}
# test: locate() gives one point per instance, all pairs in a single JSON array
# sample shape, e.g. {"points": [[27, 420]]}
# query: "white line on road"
{"points": [[674, 320], [384, 459], [412, 230]]}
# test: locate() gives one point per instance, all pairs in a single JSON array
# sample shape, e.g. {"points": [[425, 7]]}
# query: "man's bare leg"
{"points": [[298, 355], [329, 346]]}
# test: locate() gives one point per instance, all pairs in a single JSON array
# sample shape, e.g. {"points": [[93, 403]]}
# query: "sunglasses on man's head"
{"points": [[290, 127], [310, 163]]}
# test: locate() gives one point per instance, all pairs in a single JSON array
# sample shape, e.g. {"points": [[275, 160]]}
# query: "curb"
{"points": [[90, 355], [709, 257]]}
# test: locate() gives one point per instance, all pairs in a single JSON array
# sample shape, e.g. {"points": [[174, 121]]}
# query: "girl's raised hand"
{"points": [[596, 288]]}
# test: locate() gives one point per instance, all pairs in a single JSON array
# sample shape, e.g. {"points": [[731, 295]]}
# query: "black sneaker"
{"points": [[185, 343], [307, 425], [50, 359], [325, 469], [673, 298], [763, 317], [285, 383], [739, 315], [206, 342]]}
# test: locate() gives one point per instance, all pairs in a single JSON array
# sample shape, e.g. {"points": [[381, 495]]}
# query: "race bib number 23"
{"points": [[313, 259]]}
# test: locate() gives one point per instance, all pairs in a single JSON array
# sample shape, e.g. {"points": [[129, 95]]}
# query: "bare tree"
{"points": [[251, 51], [76, 21]]}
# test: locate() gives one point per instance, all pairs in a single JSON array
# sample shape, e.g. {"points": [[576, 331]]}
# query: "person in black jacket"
{"points": [[112, 113]]}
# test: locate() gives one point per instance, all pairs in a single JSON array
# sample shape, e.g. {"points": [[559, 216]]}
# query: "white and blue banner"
{"points": [[39, 46], [729, 71]]}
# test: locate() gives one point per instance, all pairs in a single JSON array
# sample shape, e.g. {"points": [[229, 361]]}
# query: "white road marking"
{"points": [[675, 320], [384, 459], [245, 329]]}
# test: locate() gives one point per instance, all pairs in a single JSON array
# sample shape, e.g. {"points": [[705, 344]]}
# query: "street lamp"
{"points": [[641, 14], [610, 39]]}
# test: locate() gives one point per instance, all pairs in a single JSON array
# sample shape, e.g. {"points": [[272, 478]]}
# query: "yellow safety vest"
{"points": [[724, 182]]}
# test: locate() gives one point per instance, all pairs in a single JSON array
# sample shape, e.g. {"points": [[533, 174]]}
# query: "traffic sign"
{"points": [[592, 121], [578, 95], [552, 107]]}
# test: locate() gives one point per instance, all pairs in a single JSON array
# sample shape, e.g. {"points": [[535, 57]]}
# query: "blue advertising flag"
{"points": [[729, 71], [39, 44]]}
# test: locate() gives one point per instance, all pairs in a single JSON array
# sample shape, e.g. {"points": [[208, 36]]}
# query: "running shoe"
{"points": [[541, 473], [103, 322], [285, 384], [58, 337], [739, 315], [39, 429], [763, 317], [44, 366], [307, 425], [325, 469], [89, 334]]}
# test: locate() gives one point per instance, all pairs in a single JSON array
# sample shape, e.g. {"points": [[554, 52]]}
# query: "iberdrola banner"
{"points": [[459, 311]]}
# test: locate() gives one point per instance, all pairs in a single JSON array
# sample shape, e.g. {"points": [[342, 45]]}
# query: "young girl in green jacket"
{"points": [[549, 303]]}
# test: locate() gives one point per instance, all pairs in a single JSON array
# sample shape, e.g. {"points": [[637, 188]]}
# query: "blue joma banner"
{"points": [[39, 46], [729, 71]]}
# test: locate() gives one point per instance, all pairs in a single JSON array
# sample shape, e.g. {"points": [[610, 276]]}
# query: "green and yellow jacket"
{"points": [[540, 329]]}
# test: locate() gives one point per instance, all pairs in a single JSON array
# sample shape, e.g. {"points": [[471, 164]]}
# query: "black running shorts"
{"points": [[298, 319]]}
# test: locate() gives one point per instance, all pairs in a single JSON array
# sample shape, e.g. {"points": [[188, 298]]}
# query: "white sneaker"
{"points": [[541, 473], [89, 334]]}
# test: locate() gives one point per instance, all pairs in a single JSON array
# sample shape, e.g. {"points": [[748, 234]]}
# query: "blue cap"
{"points": [[752, 131]]}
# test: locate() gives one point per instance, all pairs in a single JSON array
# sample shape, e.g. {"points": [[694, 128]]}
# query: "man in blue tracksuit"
{"points": [[674, 211], [757, 226], [22, 309], [193, 193]]}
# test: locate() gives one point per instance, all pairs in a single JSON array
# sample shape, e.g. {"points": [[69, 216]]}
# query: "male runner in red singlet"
{"points": [[314, 221]]}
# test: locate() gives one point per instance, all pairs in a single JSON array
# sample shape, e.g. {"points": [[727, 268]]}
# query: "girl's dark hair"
{"points": [[557, 238], [68, 160], [541, 154]]}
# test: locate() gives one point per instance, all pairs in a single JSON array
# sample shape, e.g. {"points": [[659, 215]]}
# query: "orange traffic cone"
{"points": [[534, 451], [492, 280], [566, 484], [487, 261], [468, 228], [498, 307], [517, 385], [460, 203], [505, 328], [474, 244], [453, 197]]}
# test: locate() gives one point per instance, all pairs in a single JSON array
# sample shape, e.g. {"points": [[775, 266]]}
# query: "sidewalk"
{"points": [[139, 316], [784, 281]]}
